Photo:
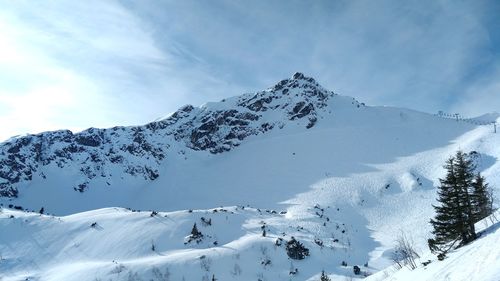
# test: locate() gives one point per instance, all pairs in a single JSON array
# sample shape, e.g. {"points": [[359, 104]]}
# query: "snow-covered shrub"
{"points": [[405, 253], [195, 235], [205, 263], [356, 270], [206, 222], [160, 276], [296, 250], [324, 277], [278, 242], [265, 262]]}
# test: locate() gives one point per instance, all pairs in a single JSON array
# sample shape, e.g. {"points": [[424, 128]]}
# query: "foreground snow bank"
{"points": [[478, 261]]}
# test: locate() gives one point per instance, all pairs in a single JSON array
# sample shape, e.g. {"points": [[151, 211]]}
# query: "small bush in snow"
{"points": [[161, 276], [118, 269], [404, 252], [279, 242], [205, 263], [318, 242], [324, 277], [263, 227], [206, 222], [265, 262], [133, 277], [195, 235], [295, 250], [356, 270]]}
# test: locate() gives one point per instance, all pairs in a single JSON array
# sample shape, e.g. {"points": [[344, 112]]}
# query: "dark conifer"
{"points": [[465, 177], [296, 250], [195, 233], [446, 223], [324, 277], [481, 199], [463, 200]]}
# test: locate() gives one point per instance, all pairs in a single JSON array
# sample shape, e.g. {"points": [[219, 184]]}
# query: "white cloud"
{"points": [[105, 63], [481, 97], [100, 57]]}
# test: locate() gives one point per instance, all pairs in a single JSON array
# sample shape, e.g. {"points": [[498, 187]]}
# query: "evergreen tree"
{"points": [[195, 233], [446, 220], [324, 277], [454, 220], [481, 199], [465, 177]]}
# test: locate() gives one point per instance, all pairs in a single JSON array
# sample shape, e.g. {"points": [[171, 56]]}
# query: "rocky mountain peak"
{"points": [[298, 79], [139, 151], [298, 75]]}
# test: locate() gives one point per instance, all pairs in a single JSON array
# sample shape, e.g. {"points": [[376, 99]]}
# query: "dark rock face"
{"points": [[7, 190], [218, 130], [139, 151], [298, 75], [91, 152]]}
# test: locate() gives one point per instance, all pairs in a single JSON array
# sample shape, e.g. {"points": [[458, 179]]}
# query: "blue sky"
{"points": [[79, 64]]}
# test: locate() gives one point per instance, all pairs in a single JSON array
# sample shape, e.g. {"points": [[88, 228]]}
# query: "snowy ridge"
{"points": [[340, 177], [485, 119], [96, 155], [120, 245]]}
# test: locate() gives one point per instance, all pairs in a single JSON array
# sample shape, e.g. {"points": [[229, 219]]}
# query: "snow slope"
{"points": [[67, 248], [341, 177], [479, 261]]}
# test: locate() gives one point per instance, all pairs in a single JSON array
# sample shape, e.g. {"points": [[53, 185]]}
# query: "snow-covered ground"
{"points": [[478, 261], [345, 188]]}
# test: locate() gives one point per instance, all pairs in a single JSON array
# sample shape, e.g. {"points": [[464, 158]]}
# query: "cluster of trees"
{"points": [[296, 250], [195, 235], [464, 198]]}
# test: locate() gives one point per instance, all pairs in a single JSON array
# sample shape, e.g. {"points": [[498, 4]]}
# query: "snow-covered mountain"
{"points": [[97, 156], [295, 160]]}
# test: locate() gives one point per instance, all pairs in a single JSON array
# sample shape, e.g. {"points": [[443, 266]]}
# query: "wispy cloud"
{"points": [[418, 54], [482, 96], [78, 64]]}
